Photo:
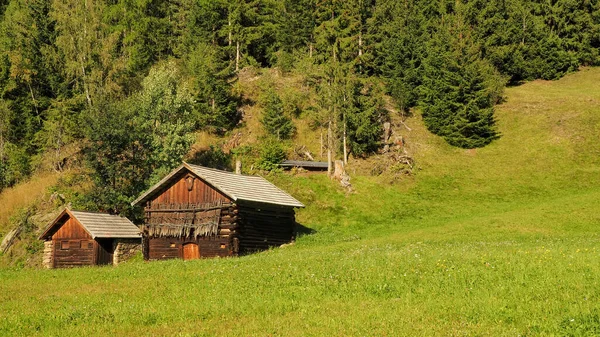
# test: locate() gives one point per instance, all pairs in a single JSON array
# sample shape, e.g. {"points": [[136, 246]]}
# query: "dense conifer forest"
{"points": [[130, 82]]}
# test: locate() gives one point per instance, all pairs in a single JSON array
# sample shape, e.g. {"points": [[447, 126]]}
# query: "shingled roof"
{"points": [[99, 225], [238, 187]]}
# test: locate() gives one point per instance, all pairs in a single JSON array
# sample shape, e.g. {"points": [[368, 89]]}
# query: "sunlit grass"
{"points": [[500, 241]]}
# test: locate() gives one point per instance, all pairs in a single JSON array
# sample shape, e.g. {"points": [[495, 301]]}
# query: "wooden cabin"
{"points": [[198, 212], [84, 239]]}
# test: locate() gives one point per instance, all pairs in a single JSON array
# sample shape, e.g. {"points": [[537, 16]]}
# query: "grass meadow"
{"points": [[499, 241]]}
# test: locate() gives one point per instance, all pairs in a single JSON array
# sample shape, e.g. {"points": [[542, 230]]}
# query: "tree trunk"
{"points": [[360, 51], [344, 137], [37, 113], [237, 56], [345, 147], [320, 152], [329, 155], [229, 40]]}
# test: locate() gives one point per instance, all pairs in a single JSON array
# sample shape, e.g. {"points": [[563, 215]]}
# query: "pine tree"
{"points": [[216, 106], [365, 115], [459, 89], [275, 122]]}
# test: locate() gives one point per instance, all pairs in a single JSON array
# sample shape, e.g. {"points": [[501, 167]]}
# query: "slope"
{"points": [[498, 241]]}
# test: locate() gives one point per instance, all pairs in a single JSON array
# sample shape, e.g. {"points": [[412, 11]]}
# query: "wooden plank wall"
{"points": [[79, 253], [264, 226], [178, 193], [81, 249], [171, 248], [159, 248], [71, 229]]}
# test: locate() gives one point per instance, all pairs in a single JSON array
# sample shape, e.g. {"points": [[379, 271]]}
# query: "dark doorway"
{"points": [[191, 251], [105, 251]]}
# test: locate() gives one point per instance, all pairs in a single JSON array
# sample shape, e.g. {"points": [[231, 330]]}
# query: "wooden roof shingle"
{"points": [[238, 187], [100, 225]]}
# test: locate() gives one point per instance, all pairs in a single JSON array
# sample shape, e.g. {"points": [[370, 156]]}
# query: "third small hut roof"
{"points": [[99, 225]]}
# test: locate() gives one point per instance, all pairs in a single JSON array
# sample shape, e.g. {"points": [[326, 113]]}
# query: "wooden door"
{"points": [[191, 251], [105, 251]]}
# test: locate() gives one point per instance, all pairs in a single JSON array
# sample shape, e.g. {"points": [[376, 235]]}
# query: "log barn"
{"points": [[198, 212], [84, 238]]}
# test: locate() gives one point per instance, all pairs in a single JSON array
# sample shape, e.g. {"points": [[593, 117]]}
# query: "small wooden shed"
{"points": [[84, 238], [307, 165], [198, 212]]}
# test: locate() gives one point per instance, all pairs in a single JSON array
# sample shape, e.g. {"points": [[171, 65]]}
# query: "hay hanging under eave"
{"points": [[179, 231]]}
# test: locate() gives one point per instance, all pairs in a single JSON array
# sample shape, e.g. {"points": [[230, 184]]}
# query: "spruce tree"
{"points": [[458, 89], [274, 120]]}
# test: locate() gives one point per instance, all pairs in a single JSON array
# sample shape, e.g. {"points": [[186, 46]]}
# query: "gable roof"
{"points": [[238, 187], [99, 225]]}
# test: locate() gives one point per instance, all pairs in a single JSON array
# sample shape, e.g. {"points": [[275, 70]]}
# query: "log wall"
{"points": [[242, 229], [264, 226], [172, 248], [176, 209]]}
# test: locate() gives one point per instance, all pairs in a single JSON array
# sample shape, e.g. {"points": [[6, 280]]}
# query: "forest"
{"points": [[129, 82]]}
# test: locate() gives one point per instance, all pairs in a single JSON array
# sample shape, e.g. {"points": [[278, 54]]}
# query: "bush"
{"points": [[271, 155]]}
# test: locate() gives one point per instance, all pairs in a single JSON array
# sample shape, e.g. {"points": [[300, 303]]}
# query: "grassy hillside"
{"points": [[496, 241]]}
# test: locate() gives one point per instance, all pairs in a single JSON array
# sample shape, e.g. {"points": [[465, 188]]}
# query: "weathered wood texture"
{"points": [[172, 248], [72, 245], [74, 252], [262, 227], [71, 229], [179, 214], [181, 193]]}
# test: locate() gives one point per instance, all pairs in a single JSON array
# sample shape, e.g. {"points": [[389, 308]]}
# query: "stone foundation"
{"points": [[125, 249], [48, 257]]}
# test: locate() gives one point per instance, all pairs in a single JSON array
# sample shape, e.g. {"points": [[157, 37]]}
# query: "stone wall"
{"points": [[48, 257], [125, 249]]}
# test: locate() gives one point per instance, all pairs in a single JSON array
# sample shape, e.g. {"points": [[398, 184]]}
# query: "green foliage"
{"points": [[137, 141], [163, 112], [274, 120], [458, 89], [215, 104], [15, 166], [213, 157], [365, 115], [62, 61], [272, 154]]}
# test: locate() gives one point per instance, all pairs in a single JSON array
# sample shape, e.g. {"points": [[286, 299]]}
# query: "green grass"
{"points": [[501, 241]]}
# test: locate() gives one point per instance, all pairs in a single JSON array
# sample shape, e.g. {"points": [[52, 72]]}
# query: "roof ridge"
{"points": [[220, 171], [234, 186], [97, 212]]}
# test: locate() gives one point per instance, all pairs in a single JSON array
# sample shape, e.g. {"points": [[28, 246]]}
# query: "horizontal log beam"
{"points": [[202, 209]]}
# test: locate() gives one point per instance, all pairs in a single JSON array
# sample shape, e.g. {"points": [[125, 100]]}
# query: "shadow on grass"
{"points": [[302, 230]]}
